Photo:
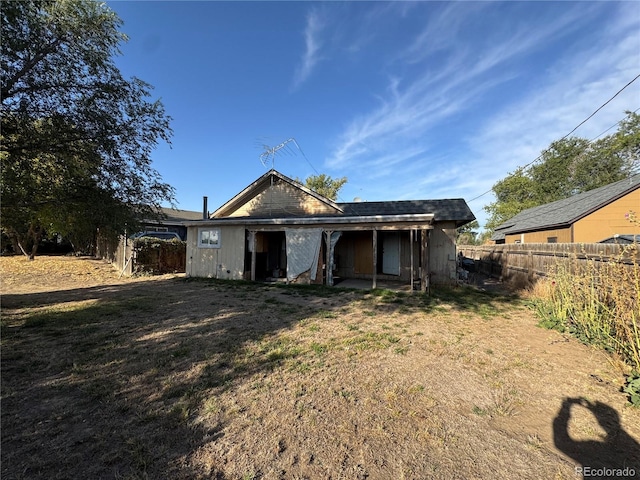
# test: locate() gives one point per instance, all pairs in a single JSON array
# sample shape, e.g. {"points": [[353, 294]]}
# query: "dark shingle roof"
{"points": [[455, 209], [566, 211], [622, 239], [174, 215]]}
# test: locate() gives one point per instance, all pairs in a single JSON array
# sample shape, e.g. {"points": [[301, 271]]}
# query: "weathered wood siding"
{"points": [[523, 263], [282, 200], [354, 255], [442, 253], [118, 252], [226, 262]]}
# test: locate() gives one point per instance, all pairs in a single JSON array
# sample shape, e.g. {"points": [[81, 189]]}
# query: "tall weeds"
{"points": [[596, 300]]}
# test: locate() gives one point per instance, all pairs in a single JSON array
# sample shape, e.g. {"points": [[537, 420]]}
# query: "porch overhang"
{"points": [[368, 222]]}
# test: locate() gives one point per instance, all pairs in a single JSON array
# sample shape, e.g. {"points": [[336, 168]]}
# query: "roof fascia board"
{"points": [[419, 218]]}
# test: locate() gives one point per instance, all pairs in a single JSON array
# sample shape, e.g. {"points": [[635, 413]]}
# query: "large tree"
{"points": [[324, 185], [567, 167], [77, 136]]}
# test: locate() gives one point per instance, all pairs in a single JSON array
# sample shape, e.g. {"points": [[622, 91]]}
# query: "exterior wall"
{"points": [[608, 220], [442, 253], [282, 200], [354, 255], [226, 262], [563, 235], [601, 224]]}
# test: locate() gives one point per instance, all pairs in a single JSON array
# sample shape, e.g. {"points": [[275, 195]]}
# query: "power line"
{"points": [[578, 126], [601, 106]]}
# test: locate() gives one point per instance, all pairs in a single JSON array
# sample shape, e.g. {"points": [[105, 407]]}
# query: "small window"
{"points": [[209, 238], [552, 239]]}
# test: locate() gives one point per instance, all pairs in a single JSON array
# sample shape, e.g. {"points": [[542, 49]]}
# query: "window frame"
{"points": [[213, 232]]}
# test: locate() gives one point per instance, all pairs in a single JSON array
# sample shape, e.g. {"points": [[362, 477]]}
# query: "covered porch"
{"points": [[378, 253]]}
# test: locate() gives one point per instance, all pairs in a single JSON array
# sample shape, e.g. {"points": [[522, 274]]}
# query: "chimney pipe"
{"points": [[205, 211]]}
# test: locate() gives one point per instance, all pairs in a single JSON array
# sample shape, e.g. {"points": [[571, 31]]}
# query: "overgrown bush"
{"points": [[597, 301], [160, 256]]}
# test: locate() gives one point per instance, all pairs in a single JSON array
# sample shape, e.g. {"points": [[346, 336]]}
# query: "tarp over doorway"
{"points": [[303, 251]]}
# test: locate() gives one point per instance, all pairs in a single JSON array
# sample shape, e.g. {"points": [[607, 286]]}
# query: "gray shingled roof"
{"points": [[622, 239], [455, 209], [174, 215], [566, 211]]}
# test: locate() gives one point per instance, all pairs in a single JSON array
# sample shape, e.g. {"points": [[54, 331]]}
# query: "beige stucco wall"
{"points": [[226, 262]]}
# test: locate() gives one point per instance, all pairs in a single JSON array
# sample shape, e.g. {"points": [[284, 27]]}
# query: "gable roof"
{"points": [[260, 185], [562, 213], [453, 210]]}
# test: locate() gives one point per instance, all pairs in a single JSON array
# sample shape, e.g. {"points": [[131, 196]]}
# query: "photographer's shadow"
{"points": [[618, 450]]}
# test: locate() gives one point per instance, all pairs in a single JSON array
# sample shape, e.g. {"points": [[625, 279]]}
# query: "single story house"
{"points": [[173, 220], [588, 217], [277, 229]]}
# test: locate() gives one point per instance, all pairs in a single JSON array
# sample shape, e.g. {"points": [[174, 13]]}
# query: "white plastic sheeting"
{"points": [[303, 250]]}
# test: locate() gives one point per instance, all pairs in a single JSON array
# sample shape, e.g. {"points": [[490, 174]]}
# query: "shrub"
{"points": [[597, 301], [160, 256]]}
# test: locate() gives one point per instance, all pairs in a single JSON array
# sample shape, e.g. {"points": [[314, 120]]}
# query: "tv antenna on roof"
{"points": [[270, 152]]}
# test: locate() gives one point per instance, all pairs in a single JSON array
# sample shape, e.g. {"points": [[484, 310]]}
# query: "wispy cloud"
{"points": [[395, 140], [409, 108], [313, 44]]}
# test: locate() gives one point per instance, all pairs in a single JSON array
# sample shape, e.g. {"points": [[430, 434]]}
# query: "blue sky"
{"points": [[408, 100]]}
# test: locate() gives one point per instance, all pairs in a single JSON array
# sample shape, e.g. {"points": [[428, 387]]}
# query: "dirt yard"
{"points": [[167, 377]]}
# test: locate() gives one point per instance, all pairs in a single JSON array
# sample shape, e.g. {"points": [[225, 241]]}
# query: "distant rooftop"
{"points": [[566, 211]]}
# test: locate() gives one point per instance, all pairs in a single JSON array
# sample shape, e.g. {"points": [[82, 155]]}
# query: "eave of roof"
{"points": [[569, 209], [248, 193], [422, 218]]}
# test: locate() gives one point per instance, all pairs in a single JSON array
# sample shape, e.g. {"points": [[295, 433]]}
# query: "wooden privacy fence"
{"points": [[523, 263], [154, 256]]}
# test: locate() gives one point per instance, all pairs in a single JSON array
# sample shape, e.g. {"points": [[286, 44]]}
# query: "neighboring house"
{"points": [[622, 239], [277, 228], [173, 221], [588, 217]]}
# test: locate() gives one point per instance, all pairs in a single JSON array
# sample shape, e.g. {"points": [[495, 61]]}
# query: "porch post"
{"points": [[375, 258], [424, 269], [252, 234], [329, 260], [411, 250]]}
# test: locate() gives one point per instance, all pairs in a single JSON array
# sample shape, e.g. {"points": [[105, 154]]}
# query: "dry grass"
{"points": [[597, 301], [173, 378]]}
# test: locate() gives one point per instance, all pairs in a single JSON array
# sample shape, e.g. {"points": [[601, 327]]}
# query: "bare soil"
{"points": [[168, 377]]}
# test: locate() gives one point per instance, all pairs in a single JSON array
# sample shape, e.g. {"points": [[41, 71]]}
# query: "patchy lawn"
{"points": [[167, 377]]}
